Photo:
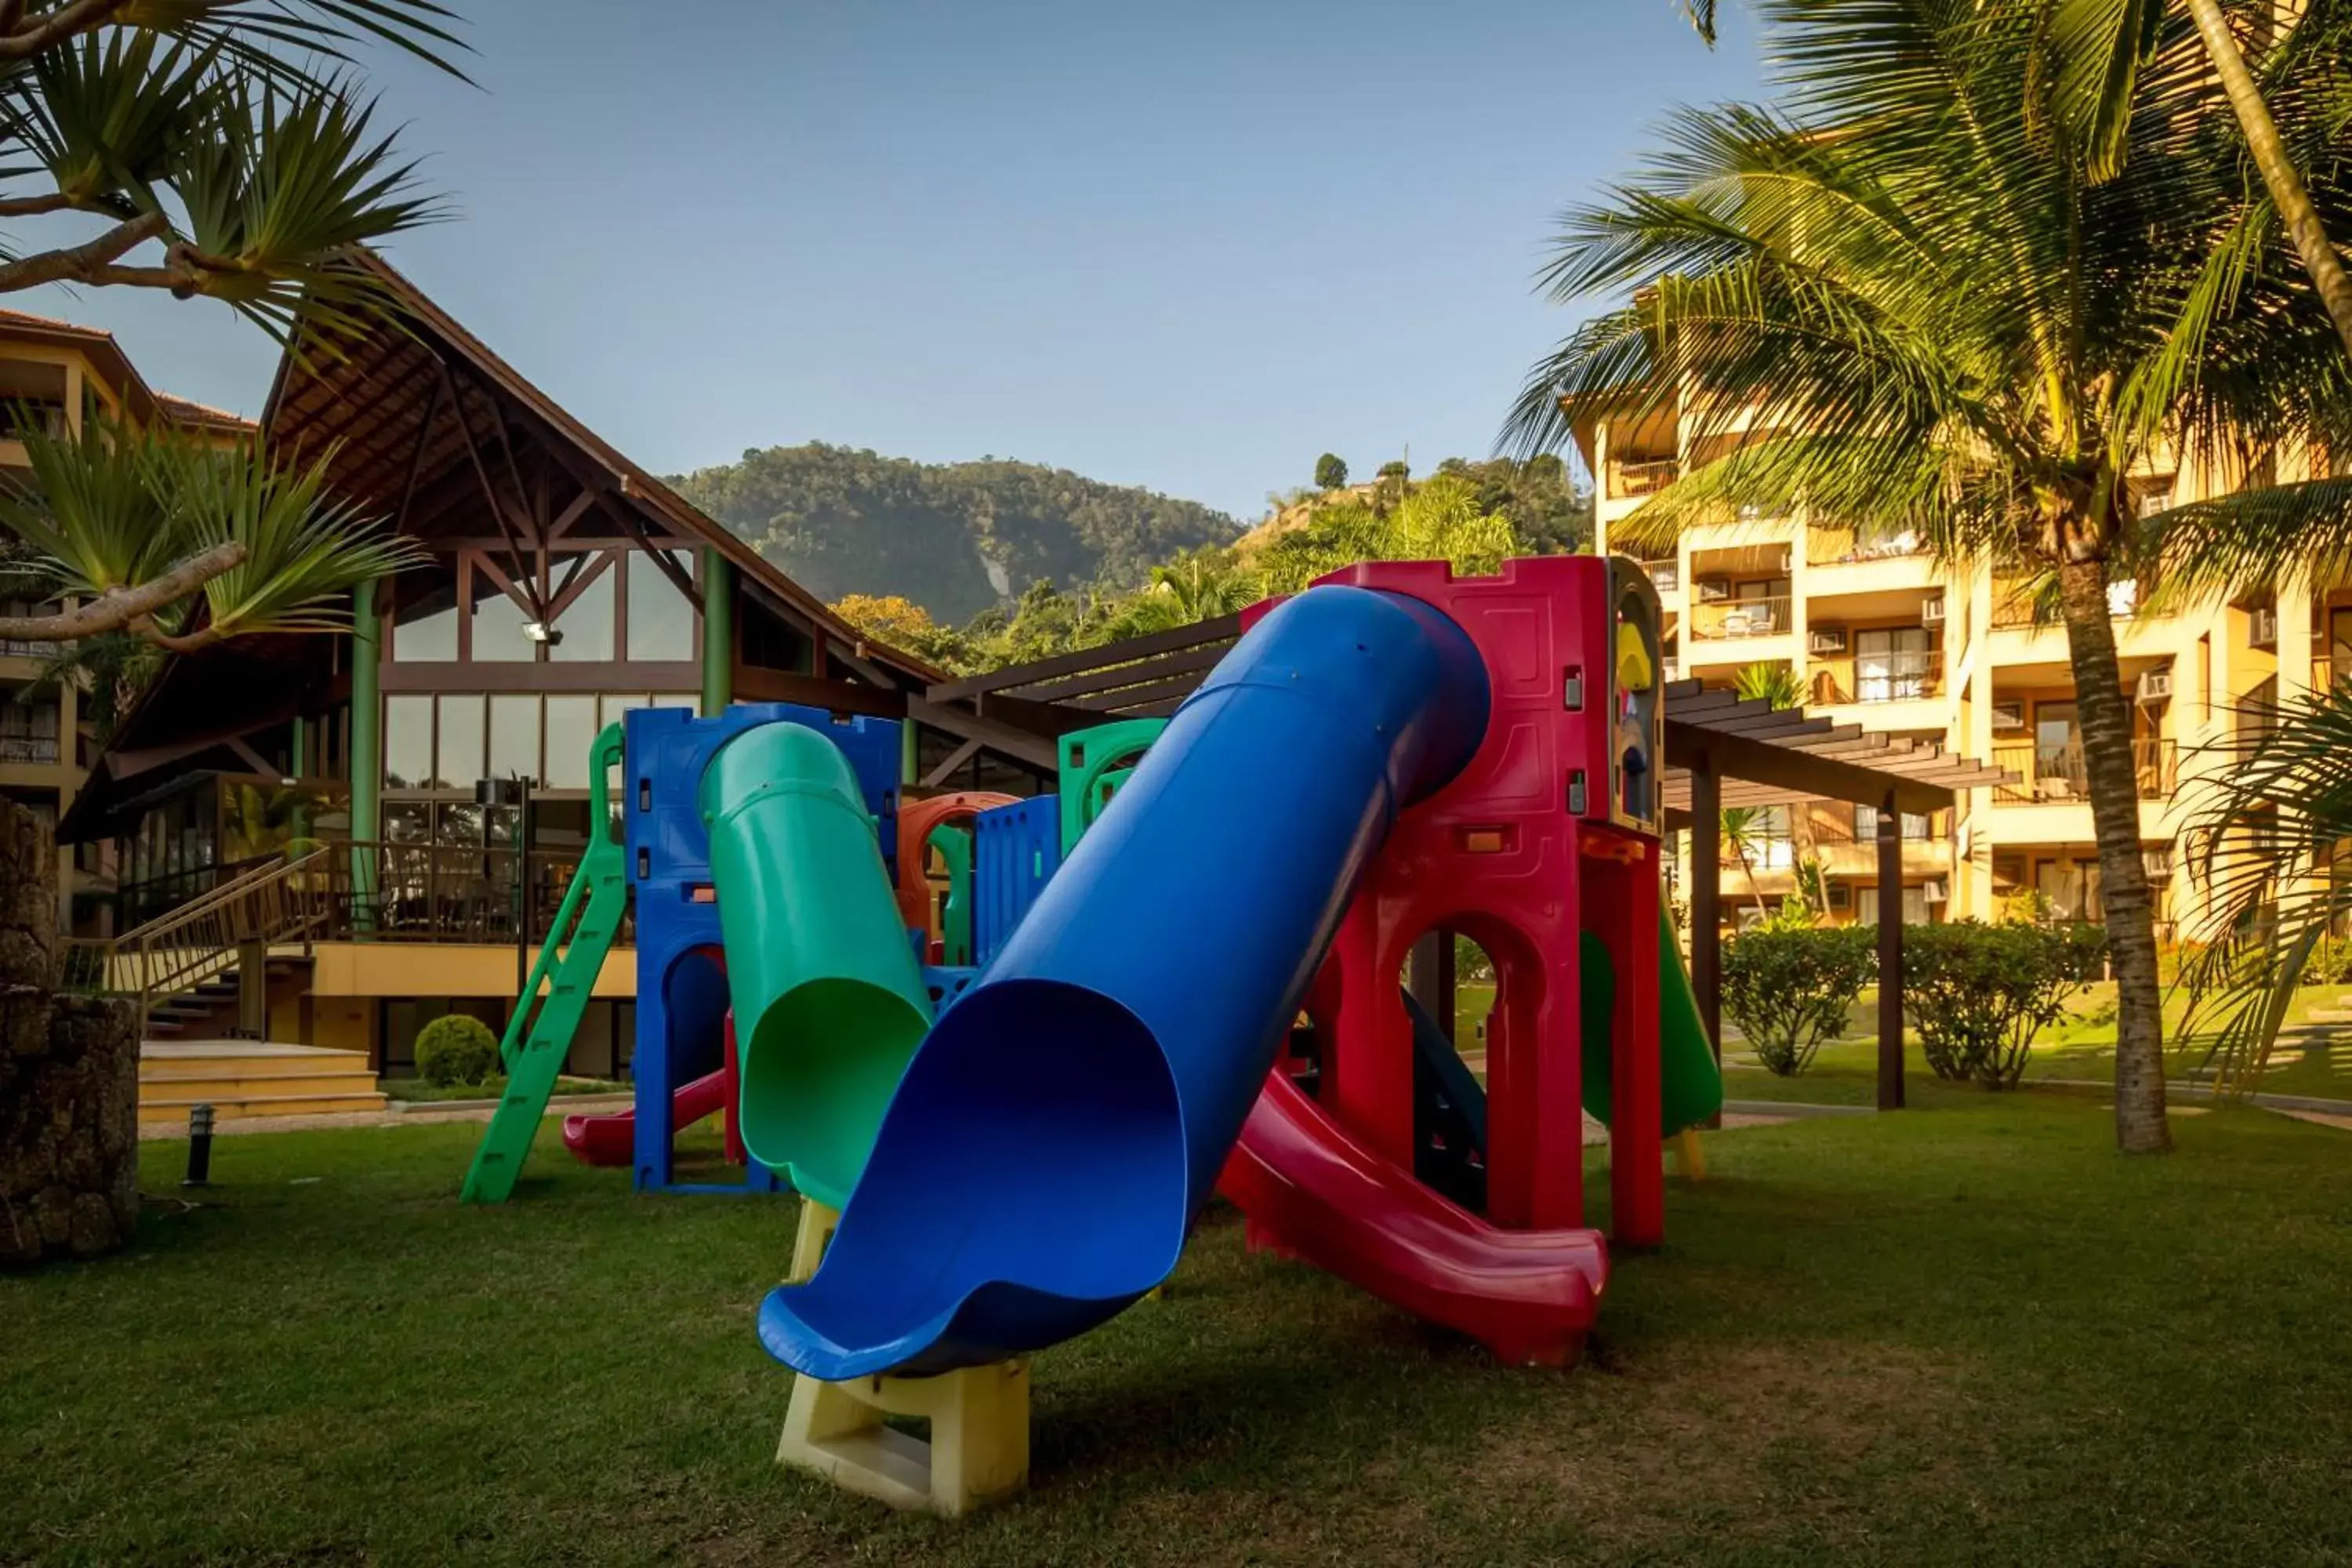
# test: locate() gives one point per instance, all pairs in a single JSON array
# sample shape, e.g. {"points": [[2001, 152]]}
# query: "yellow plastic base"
{"points": [[1689, 1156], [979, 1417]]}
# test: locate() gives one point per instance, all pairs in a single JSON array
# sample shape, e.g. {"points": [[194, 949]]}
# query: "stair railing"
{"points": [[174, 954]]}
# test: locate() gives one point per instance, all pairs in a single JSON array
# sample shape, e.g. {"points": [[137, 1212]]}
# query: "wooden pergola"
{"points": [[1721, 752]]}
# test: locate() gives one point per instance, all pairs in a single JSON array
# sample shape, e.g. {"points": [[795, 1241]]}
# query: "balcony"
{"points": [[2055, 775], [1891, 678], [1645, 478], [2324, 675], [39, 749], [1844, 547], [1737, 618], [1666, 576]]}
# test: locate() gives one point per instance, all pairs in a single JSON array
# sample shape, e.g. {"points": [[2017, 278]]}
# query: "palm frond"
{"points": [[2239, 544], [306, 548], [92, 514]]}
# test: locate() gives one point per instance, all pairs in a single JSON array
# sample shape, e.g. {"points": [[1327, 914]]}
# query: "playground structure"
{"points": [[1182, 976]]}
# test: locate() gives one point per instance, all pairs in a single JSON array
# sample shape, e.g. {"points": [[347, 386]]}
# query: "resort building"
{"points": [[342, 775], [1879, 634], [54, 378]]}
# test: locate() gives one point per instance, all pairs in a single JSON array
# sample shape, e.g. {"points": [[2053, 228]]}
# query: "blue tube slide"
{"points": [[1059, 1127]]}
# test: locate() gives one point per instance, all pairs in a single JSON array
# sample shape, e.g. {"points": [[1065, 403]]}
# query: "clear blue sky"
{"points": [[1188, 246]]}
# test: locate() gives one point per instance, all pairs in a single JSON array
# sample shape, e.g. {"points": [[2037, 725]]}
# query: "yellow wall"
{"points": [[437, 969]]}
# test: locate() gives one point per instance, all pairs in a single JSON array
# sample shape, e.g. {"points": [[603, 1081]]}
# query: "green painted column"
{"points": [[367, 751], [910, 752], [717, 632], [301, 747]]}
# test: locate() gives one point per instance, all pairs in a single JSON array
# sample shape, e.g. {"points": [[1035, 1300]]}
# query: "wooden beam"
{"points": [[1706, 897], [680, 578], [675, 675], [946, 769], [1123, 652], [1128, 697], [1024, 746], [581, 505], [756, 685], [1791, 768], [490, 497], [1195, 662], [1890, 954], [417, 458]]}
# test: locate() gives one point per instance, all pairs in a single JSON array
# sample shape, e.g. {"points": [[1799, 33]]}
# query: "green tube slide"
{"points": [[1690, 1085], [829, 999]]}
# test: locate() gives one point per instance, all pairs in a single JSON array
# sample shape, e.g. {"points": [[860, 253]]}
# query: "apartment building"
{"points": [[1880, 634], [54, 376]]}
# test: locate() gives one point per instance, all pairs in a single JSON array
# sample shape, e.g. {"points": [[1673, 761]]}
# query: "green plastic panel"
{"points": [[1094, 763]]}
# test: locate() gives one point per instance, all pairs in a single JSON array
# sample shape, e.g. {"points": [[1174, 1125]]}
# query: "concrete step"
{"points": [[250, 1078], [172, 1112]]}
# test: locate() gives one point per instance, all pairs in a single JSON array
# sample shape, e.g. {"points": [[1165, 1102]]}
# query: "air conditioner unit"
{"points": [[1788, 562], [1841, 896], [1713, 590], [1931, 611], [1826, 639], [2157, 862], [2262, 631], [1936, 893], [2155, 685], [2008, 716]]}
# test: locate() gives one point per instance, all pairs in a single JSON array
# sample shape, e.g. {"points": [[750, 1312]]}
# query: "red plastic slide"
{"points": [[1312, 1192], [613, 1140]]}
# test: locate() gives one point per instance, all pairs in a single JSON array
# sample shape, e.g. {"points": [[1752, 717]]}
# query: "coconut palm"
{"points": [[2266, 847], [1766, 681], [1903, 298], [2096, 49], [1746, 830]]}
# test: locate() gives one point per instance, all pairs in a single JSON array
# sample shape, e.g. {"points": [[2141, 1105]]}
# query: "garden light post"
{"points": [[200, 1147]]}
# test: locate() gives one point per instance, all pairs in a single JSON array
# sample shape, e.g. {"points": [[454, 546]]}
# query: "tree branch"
{"points": [[117, 609], [84, 263], [49, 202], [65, 22]]}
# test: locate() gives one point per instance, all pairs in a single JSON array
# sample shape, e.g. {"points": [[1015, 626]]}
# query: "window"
{"points": [[425, 631], [1914, 827], [1915, 906], [587, 622], [661, 622], [2069, 888], [460, 764], [1890, 664], [408, 742], [514, 737], [497, 625], [571, 731]]}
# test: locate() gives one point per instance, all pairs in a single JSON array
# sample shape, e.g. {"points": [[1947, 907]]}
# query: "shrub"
{"points": [[455, 1049], [1979, 994], [1788, 988]]}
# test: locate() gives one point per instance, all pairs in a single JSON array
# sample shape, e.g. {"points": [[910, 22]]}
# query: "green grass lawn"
{"points": [[1975, 1335], [2080, 1047], [417, 1091]]}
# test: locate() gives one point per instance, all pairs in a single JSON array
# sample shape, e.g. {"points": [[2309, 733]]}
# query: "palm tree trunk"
{"points": [[2286, 187], [2106, 721]]}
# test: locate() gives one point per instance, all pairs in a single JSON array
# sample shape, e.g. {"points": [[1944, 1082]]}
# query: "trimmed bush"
{"points": [[1979, 994], [455, 1049], [1789, 987]]}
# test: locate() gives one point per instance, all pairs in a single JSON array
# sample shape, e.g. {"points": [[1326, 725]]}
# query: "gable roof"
{"points": [[101, 346]]}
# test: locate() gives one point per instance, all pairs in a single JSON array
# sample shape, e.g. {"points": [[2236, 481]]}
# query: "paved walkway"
{"points": [[453, 1111]]}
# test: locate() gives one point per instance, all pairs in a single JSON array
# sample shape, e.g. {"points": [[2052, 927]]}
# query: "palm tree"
{"points": [[1744, 829], [1904, 299], [2266, 847], [1766, 681], [212, 149], [110, 510], [2100, 48]]}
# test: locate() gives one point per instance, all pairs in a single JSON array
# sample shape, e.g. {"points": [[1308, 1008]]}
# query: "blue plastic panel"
{"points": [[1015, 850]]}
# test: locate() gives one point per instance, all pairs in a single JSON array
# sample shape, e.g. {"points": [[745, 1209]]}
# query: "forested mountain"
{"points": [[955, 538]]}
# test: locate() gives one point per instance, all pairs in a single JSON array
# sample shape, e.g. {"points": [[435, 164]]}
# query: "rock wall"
{"points": [[68, 1078]]}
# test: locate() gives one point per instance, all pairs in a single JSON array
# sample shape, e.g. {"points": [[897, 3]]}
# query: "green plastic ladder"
{"points": [[539, 1037]]}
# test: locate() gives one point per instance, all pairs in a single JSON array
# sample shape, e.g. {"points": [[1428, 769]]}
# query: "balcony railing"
{"points": [[17, 648], [1895, 678], [1840, 547], [28, 748], [1627, 480], [1741, 618], [2323, 674], [2056, 775], [1666, 576], [2013, 608]]}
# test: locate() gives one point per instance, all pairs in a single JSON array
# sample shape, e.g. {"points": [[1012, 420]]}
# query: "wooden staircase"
{"points": [[242, 1079], [185, 970]]}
